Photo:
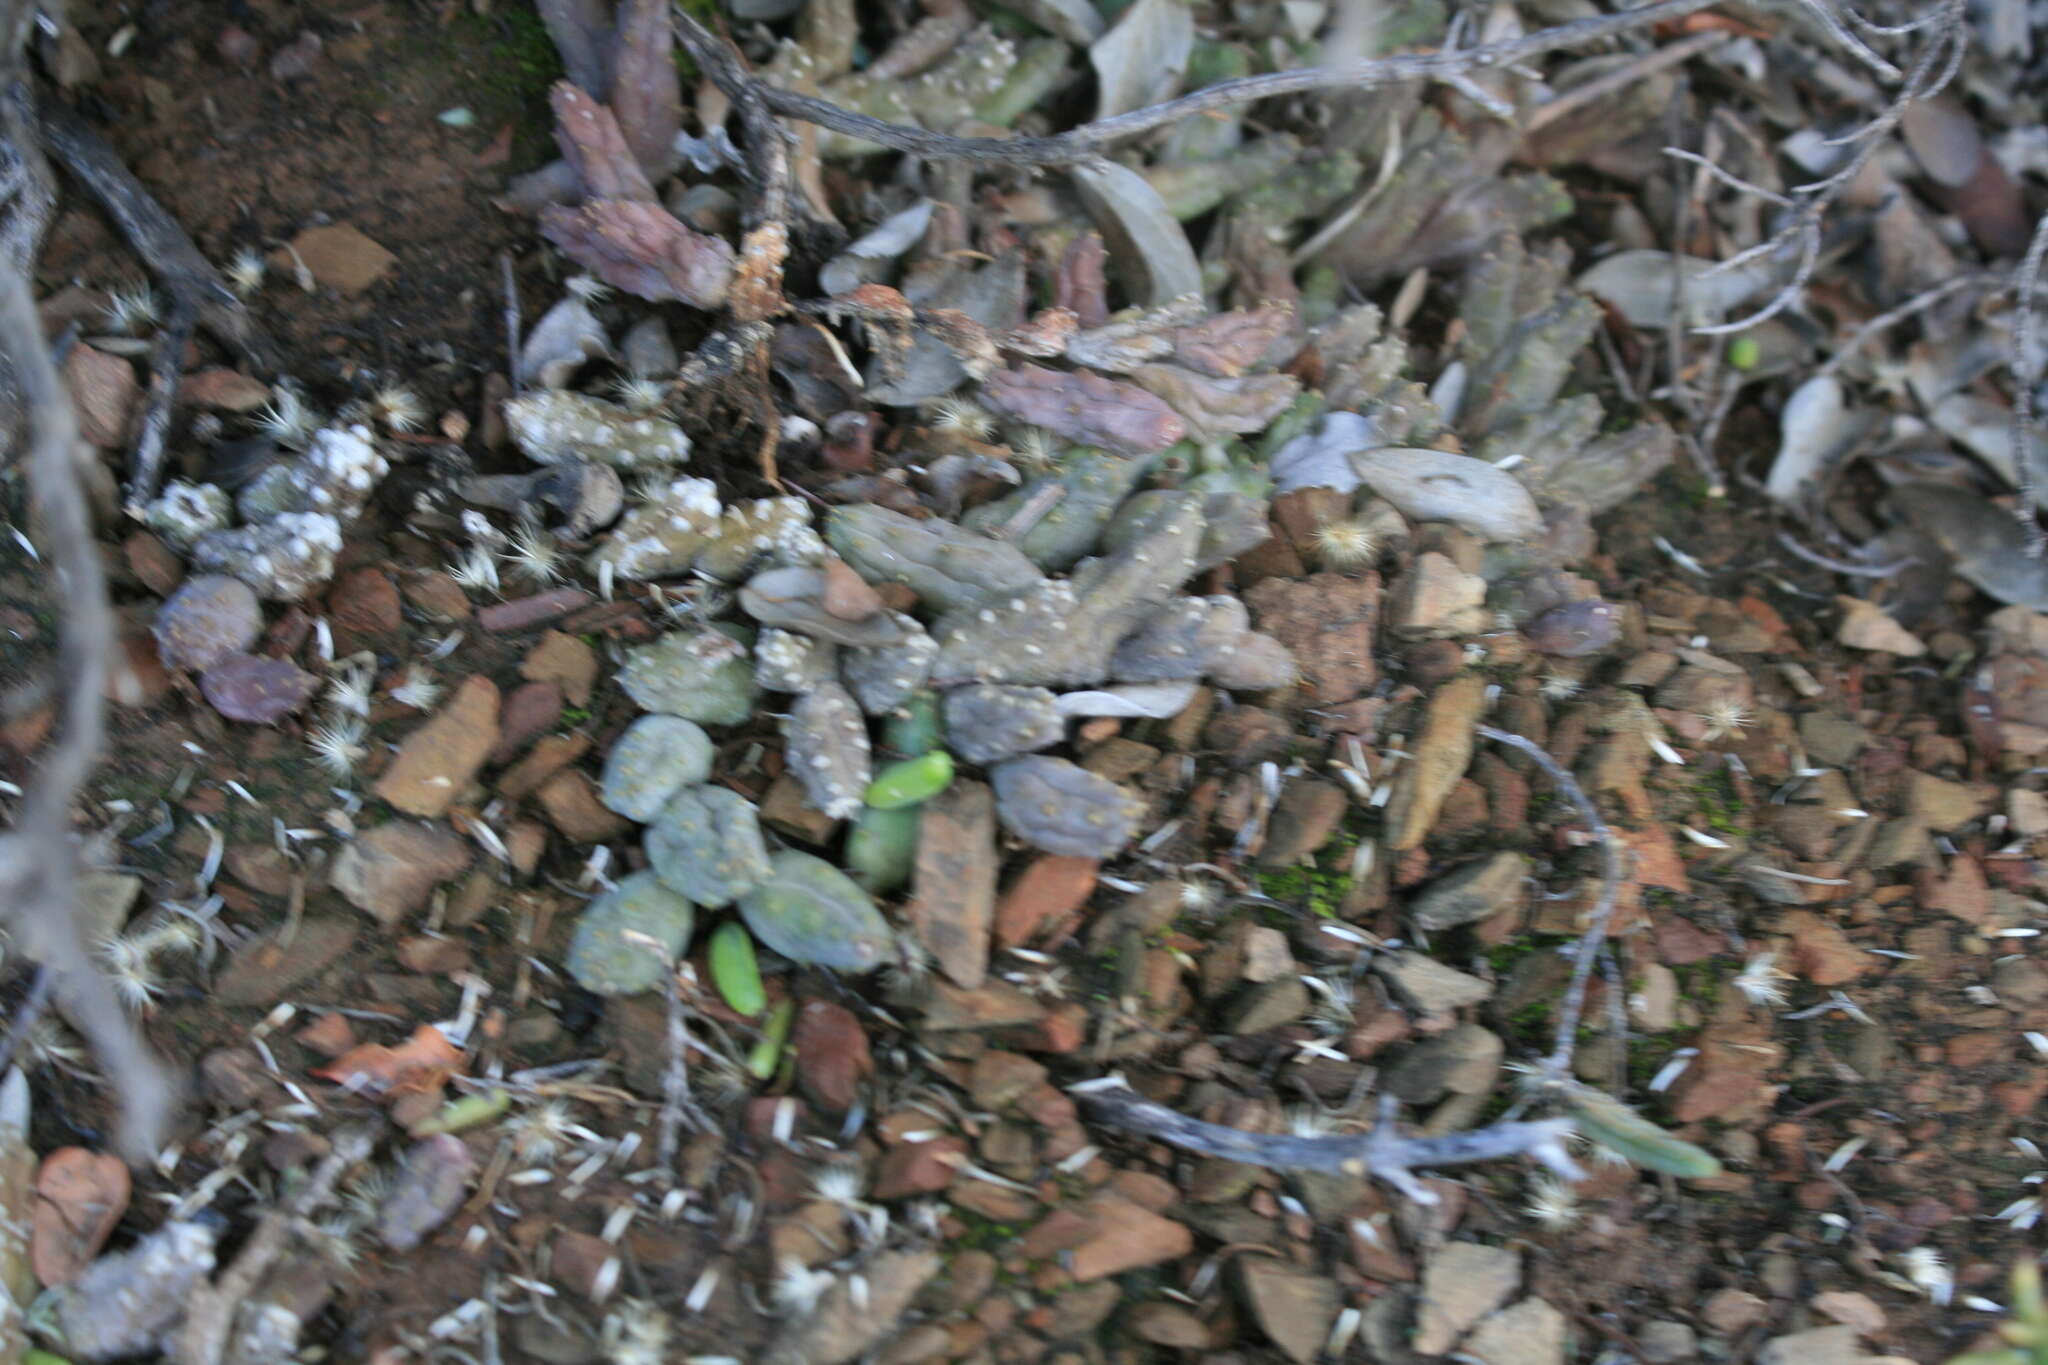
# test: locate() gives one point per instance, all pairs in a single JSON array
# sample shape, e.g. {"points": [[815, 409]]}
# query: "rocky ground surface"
{"points": [[704, 910]]}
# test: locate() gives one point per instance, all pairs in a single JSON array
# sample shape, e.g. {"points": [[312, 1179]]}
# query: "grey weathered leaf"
{"points": [[1142, 59], [1150, 701], [1079, 22], [1146, 242], [1428, 485], [1639, 284], [861, 262], [566, 336]]}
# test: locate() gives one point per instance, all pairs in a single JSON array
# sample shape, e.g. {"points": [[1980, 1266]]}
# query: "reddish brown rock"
{"points": [[549, 755], [436, 595], [389, 871], [569, 800], [223, 389], [912, 1168], [832, 1056], [103, 390], [530, 710], [1822, 953], [1050, 889], [365, 601], [1126, 1237], [153, 563], [443, 756], [1327, 621], [1961, 891], [955, 887], [524, 613], [566, 662]]}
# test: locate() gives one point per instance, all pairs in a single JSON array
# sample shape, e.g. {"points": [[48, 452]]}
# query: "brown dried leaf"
{"points": [[596, 147], [1085, 408], [1220, 407], [646, 90], [419, 1063], [1227, 344], [80, 1196], [640, 248]]}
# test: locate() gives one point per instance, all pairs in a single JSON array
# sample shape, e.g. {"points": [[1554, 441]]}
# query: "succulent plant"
{"points": [[663, 535], [205, 620], [954, 91], [945, 565], [911, 781], [881, 847], [785, 661], [283, 559], [336, 475], [826, 746], [885, 677], [183, 512], [772, 530], [700, 675], [553, 425], [614, 951], [654, 759], [793, 598], [1256, 663], [986, 722], [809, 911], [1062, 633], [1063, 808], [913, 728], [1179, 639], [706, 845], [1091, 485]]}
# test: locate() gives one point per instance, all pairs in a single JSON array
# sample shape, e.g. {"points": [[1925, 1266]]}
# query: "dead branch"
{"points": [[1381, 1153], [1090, 140], [1587, 951], [1930, 72], [198, 296], [38, 858], [211, 1314], [2025, 374]]}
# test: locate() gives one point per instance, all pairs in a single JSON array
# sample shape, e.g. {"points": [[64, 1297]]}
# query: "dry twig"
{"points": [[1091, 140], [2025, 375], [38, 857], [211, 1315]]}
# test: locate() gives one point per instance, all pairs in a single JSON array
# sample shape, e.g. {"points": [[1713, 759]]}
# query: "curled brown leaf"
{"points": [[1225, 345], [1220, 407], [1085, 408], [642, 249], [596, 147], [646, 90]]}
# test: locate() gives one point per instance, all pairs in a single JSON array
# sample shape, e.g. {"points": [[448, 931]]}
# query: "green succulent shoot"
{"points": [[2027, 1331]]}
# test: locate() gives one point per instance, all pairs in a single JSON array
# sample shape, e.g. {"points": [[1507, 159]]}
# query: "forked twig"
{"points": [[211, 1315], [1383, 1153]]}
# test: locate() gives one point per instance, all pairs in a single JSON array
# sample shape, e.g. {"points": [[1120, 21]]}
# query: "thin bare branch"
{"points": [[2025, 375], [1090, 140], [1587, 950], [1382, 1153]]}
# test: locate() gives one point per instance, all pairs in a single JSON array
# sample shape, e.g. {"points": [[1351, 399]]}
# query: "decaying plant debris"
{"points": [[1047, 643]]}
